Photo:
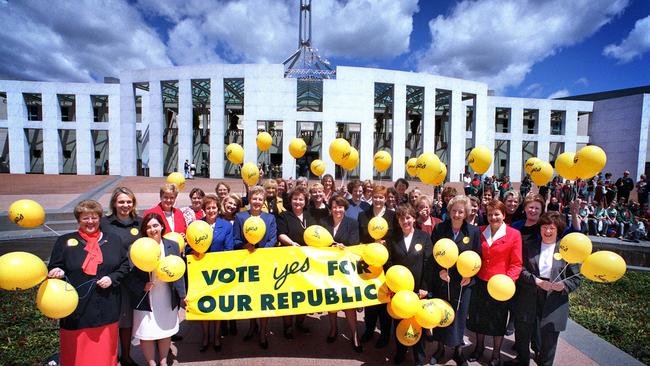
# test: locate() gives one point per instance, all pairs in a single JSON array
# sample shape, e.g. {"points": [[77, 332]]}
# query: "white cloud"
{"points": [[583, 81], [634, 45], [534, 90], [188, 44], [559, 94], [499, 41], [75, 41]]}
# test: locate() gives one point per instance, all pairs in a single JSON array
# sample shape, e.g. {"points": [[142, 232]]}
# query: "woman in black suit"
{"points": [[544, 295], [345, 232], [413, 250], [449, 284]]}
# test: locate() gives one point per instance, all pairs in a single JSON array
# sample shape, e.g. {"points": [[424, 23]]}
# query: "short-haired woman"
{"points": [[172, 217], [195, 210]]}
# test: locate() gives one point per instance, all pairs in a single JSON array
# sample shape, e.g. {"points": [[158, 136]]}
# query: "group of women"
{"points": [[116, 295]]}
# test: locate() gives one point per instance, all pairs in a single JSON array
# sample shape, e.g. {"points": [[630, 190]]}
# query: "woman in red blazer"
{"points": [[501, 254], [174, 220]]}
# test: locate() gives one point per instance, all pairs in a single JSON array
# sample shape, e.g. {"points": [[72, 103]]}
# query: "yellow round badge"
{"points": [[418, 247], [557, 256], [466, 240], [72, 242], [135, 231]]}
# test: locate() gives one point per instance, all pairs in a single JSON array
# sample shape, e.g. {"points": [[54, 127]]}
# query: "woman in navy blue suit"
{"points": [[345, 232], [449, 284]]}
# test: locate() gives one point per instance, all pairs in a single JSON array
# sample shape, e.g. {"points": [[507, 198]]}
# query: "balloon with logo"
{"points": [[480, 159], [377, 227], [382, 161], [411, 167], [264, 141], [352, 160], [254, 229], [408, 332], [501, 287], [21, 271], [317, 167], [297, 148], [26, 213], [442, 174], [530, 163], [541, 173], [56, 299], [235, 153], [177, 238], [145, 254], [176, 179], [564, 165], [468, 263], [428, 314], [199, 236], [391, 312], [170, 268], [375, 254], [575, 247], [445, 252], [589, 161], [448, 313], [405, 303], [317, 236], [339, 150], [250, 173], [603, 266], [427, 167], [399, 278]]}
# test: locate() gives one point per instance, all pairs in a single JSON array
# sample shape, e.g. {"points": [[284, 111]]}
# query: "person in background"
{"points": [[173, 217], [367, 191], [222, 190], [472, 217], [356, 204], [467, 182], [273, 203], [425, 221], [391, 199], [624, 186], [414, 194], [401, 185], [525, 186], [642, 192], [317, 207], [328, 186], [514, 210], [447, 194], [195, 211]]}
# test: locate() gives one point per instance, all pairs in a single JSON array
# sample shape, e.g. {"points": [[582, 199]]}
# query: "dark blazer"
{"points": [[469, 238], [348, 232], [97, 306], [270, 238], [221, 236], [556, 307], [367, 215], [124, 229], [417, 261], [137, 279], [290, 225]]}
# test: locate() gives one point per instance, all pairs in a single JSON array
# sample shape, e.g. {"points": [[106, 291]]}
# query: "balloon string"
{"points": [[92, 282], [460, 295], [140, 302], [570, 277], [562, 271], [52, 230], [448, 291]]}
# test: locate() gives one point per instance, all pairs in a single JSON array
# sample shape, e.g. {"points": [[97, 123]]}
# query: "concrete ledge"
{"points": [[596, 348]]}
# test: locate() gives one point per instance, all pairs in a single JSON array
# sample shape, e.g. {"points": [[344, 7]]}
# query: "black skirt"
{"points": [[486, 315], [452, 335]]}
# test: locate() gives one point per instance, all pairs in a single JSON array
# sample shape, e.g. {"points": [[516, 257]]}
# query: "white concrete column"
{"points": [[429, 119], [156, 127], [217, 129], [516, 132], [456, 166], [643, 138], [52, 161], [484, 132], [184, 120], [85, 147], [544, 130], [399, 132], [366, 143], [18, 145], [570, 129]]}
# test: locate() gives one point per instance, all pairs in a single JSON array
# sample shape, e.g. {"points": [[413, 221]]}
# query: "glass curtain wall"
{"points": [[169, 91], [309, 95], [443, 110], [312, 133], [414, 116], [528, 150], [34, 138], [67, 107], [68, 141], [100, 141], [233, 95], [501, 153], [384, 109], [271, 159], [4, 150], [201, 126], [554, 150], [142, 130], [352, 133]]}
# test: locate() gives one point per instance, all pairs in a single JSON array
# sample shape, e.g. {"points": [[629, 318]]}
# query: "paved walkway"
{"points": [[59, 194]]}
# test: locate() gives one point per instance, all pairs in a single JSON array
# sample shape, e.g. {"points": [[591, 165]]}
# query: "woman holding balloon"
{"points": [[156, 299], [94, 263], [454, 284], [173, 217]]}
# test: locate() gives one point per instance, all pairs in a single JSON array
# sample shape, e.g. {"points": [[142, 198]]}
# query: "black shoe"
{"points": [[332, 339], [513, 362], [367, 336], [495, 362], [204, 347], [382, 342], [477, 354], [217, 347], [437, 356], [459, 358], [398, 359], [264, 344], [301, 327], [177, 337], [233, 328], [358, 348], [251, 333], [288, 333]]}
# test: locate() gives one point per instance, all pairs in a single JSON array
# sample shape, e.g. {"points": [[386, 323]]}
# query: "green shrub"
{"points": [[617, 312]]}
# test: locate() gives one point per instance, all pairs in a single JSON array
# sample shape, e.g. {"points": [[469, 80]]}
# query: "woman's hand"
{"points": [[295, 244], [422, 294], [148, 286], [56, 273], [338, 245], [250, 247], [557, 286], [104, 282], [544, 285], [444, 275], [465, 281]]}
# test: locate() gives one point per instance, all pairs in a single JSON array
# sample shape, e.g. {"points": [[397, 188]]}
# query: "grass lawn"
{"points": [[618, 312]]}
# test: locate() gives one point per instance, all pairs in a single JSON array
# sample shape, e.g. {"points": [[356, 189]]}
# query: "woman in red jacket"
{"points": [[501, 254], [173, 217]]}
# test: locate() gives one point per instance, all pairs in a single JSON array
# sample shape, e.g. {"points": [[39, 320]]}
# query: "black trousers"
{"points": [[547, 336], [374, 313], [525, 332], [419, 355]]}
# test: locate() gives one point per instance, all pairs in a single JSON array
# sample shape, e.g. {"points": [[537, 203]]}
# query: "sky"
{"points": [[520, 48]]}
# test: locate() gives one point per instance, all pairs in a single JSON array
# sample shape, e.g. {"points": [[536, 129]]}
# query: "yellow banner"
{"points": [[281, 281]]}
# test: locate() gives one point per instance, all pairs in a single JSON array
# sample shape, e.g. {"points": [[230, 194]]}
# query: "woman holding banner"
{"points": [[449, 284], [345, 232]]}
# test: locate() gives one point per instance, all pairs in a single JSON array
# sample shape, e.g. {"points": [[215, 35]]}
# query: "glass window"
{"points": [[502, 120], [557, 122]]}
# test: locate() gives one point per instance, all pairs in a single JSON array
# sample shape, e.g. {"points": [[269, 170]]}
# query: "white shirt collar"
{"points": [[487, 234]]}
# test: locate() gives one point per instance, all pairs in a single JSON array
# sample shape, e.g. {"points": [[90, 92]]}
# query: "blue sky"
{"points": [[528, 48]]}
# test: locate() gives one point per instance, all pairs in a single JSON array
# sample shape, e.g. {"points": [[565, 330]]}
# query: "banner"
{"points": [[281, 281]]}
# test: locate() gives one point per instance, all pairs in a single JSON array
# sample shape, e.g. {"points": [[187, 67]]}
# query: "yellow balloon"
{"points": [[170, 268], [264, 141], [542, 173], [530, 163], [145, 254], [603, 266], [564, 165], [178, 238], [254, 229], [427, 167], [589, 161], [250, 174], [411, 167], [177, 179], [339, 150], [382, 161], [199, 236], [56, 299], [399, 278], [405, 304], [575, 247], [21, 270], [352, 160], [442, 174], [408, 332], [501, 287], [317, 167], [468, 263], [390, 311], [375, 254], [377, 227], [448, 314], [317, 236], [26, 213], [235, 153], [445, 252], [480, 159], [297, 148], [428, 315]]}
